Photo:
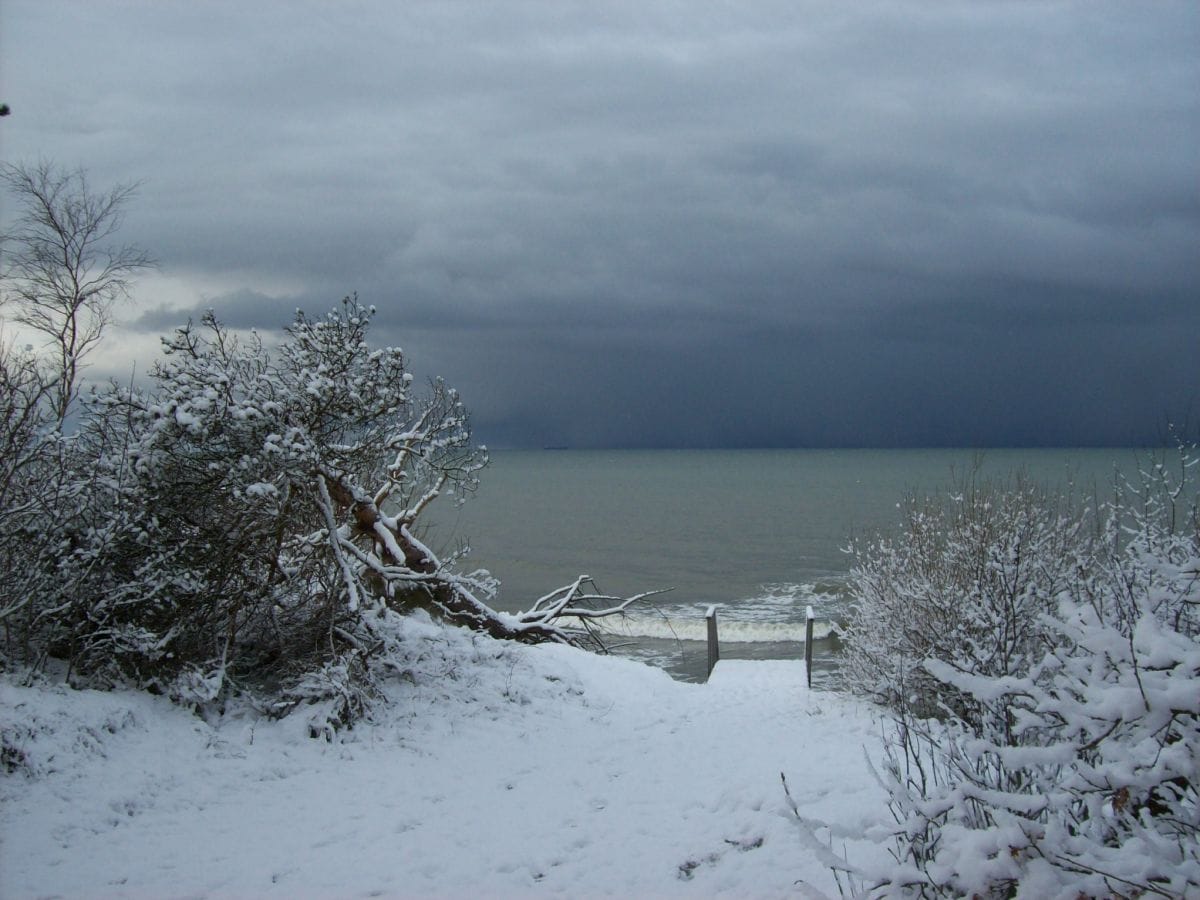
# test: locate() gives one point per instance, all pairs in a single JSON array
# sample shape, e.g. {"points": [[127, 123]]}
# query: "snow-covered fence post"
{"points": [[714, 649], [808, 644]]}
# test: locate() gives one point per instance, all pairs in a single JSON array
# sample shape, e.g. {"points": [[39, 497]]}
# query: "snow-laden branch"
{"points": [[1069, 763], [325, 503], [573, 601]]}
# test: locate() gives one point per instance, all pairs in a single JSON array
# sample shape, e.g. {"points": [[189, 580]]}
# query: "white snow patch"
{"points": [[496, 771]]}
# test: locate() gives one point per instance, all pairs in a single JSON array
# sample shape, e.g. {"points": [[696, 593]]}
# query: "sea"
{"points": [[760, 534]]}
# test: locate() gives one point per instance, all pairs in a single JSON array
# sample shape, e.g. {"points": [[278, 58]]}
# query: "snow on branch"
{"points": [[1044, 694], [581, 601]]}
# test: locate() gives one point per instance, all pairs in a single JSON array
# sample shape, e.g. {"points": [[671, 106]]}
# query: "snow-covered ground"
{"points": [[496, 771]]}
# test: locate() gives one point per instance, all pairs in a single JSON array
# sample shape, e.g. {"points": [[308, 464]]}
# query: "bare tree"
{"points": [[63, 272]]}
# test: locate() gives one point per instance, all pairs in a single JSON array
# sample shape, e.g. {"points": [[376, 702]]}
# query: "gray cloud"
{"points": [[629, 224]]}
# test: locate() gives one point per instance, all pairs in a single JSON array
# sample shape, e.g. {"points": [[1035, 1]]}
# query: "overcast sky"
{"points": [[666, 223]]}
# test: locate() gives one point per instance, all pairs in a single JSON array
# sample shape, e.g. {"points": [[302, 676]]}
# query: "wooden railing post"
{"points": [[714, 649], [808, 644]]}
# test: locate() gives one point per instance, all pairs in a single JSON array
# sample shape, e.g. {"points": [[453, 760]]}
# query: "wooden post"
{"points": [[808, 642], [714, 649]]}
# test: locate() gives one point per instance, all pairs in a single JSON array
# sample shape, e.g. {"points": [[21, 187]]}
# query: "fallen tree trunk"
{"points": [[411, 573]]}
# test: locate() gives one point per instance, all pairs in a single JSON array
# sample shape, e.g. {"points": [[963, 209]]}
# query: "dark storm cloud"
{"points": [[669, 224]]}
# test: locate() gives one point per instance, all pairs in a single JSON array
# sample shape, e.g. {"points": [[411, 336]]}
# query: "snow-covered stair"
{"points": [[759, 675]]}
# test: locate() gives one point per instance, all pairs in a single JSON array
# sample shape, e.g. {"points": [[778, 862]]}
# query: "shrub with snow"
{"points": [[253, 520], [968, 581], [1074, 771]]}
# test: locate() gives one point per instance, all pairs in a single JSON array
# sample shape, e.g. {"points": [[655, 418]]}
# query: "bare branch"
{"points": [[62, 275]]}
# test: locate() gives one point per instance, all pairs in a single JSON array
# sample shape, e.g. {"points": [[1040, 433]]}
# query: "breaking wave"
{"points": [[775, 615], [730, 630]]}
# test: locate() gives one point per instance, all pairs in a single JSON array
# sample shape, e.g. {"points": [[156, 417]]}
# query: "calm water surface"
{"points": [[760, 533]]}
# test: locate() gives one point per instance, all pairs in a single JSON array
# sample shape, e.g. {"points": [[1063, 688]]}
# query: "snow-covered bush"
{"points": [[197, 536], [34, 486], [24, 415], [1075, 773], [255, 518], [966, 581]]}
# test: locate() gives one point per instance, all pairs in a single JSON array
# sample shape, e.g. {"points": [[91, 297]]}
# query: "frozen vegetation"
{"points": [[1040, 661]]}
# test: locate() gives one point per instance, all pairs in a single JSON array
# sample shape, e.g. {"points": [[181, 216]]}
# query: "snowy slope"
{"points": [[496, 771]]}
